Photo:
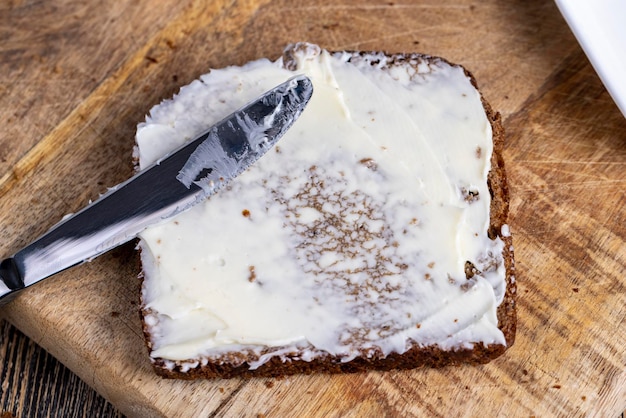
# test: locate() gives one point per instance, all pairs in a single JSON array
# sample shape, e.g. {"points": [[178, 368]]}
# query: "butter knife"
{"points": [[173, 184]]}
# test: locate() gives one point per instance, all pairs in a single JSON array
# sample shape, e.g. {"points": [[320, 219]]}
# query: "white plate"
{"points": [[600, 27]]}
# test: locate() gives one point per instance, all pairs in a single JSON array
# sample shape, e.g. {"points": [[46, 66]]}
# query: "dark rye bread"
{"points": [[235, 365]]}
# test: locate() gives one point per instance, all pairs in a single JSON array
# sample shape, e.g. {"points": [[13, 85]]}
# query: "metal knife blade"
{"points": [[173, 184]]}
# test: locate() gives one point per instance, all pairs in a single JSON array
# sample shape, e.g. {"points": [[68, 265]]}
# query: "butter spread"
{"points": [[351, 237]]}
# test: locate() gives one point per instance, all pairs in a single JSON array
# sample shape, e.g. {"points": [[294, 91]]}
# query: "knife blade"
{"points": [[172, 185]]}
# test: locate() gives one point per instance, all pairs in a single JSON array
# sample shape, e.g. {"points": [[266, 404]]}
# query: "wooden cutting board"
{"points": [[76, 79]]}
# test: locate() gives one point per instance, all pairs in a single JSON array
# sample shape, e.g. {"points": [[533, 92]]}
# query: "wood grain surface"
{"points": [[35, 384], [77, 77]]}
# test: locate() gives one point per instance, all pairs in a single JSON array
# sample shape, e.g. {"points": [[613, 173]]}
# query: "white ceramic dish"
{"points": [[600, 27]]}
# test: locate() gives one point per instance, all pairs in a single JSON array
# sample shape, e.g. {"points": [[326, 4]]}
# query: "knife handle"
{"points": [[10, 280]]}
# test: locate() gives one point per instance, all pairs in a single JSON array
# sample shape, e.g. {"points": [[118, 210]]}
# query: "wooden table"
{"points": [[76, 77]]}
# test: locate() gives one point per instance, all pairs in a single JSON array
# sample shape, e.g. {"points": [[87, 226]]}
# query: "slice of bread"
{"points": [[374, 236]]}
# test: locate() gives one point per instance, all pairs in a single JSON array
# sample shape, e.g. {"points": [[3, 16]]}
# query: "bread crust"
{"points": [[416, 356]]}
